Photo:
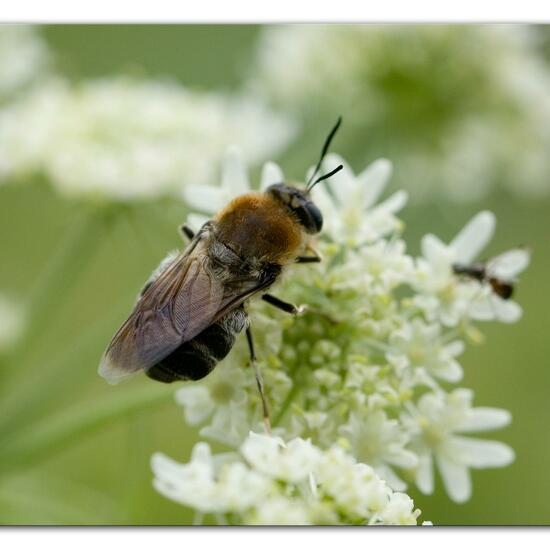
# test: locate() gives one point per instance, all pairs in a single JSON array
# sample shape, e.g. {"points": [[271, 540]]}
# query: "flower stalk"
{"points": [[62, 272]]}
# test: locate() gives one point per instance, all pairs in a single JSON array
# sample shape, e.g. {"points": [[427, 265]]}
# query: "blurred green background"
{"points": [[67, 458]]}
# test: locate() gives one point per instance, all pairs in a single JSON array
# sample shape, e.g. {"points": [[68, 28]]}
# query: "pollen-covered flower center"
{"points": [[447, 293], [354, 216], [368, 449], [417, 355], [433, 435]]}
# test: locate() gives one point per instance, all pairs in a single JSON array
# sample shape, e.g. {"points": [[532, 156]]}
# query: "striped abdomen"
{"points": [[195, 359]]}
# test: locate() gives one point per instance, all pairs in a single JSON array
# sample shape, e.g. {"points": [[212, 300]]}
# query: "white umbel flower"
{"points": [[191, 484], [458, 129], [24, 57], [126, 140], [439, 420], [418, 345], [400, 511], [293, 462], [220, 400], [292, 483], [351, 210], [380, 442], [444, 295], [365, 368], [279, 510], [234, 181]]}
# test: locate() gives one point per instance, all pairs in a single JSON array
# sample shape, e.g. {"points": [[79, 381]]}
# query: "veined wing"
{"points": [[186, 298]]}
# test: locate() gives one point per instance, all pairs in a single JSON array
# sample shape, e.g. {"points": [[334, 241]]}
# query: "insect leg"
{"points": [[308, 259], [284, 306], [296, 310], [259, 379], [186, 232], [315, 259]]}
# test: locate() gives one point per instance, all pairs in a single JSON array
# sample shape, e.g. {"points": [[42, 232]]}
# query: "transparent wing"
{"points": [[508, 265], [186, 298], [175, 307]]}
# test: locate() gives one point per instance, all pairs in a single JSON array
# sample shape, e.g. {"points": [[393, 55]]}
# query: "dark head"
{"points": [[299, 203], [298, 200]]}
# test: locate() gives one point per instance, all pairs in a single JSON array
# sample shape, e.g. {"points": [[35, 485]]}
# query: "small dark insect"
{"points": [[191, 310], [500, 272]]}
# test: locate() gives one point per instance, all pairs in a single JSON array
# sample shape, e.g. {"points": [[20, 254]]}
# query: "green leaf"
{"points": [[52, 434], [46, 500]]}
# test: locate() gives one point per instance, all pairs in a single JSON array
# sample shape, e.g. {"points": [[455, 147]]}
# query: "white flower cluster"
{"points": [[371, 363], [463, 107], [268, 482], [24, 58], [123, 139]]}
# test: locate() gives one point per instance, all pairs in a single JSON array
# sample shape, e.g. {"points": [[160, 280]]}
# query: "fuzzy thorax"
{"points": [[259, 226]]}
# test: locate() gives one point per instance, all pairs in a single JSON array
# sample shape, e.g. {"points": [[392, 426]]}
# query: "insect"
{"points": [[499, 272], [190, 311]]}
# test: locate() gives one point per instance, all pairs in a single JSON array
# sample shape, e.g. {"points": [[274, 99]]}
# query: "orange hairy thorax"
{"points": [[259, 226]]}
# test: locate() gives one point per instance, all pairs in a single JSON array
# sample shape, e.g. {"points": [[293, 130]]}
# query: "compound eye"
{"points": [[315, 218]]}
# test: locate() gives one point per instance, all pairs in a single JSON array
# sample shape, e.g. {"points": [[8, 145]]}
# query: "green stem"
{"points": [[59, 277], [26, 398], [294, 391], [69, 426]]}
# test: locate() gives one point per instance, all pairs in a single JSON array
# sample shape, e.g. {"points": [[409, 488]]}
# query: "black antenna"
{"points": [[323, 154], [326, 176]]}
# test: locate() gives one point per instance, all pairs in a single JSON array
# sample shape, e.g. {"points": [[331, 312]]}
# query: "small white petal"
{"points": [[343, 183], [196, 221], [197, 403], [374, 179], [509, 264], [402, 459], [309, 173], [205, 198], [433, 249], [162, 464], [455, 348], [425, 474], [456, 479], [394, 203], [485, 418], [279, 510], [271, 173], [201, 454], [474, 236], [451, 372], [234, 174], [391, 478], [483, 310], [479, 453], [323, 199], [507, 311]]}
